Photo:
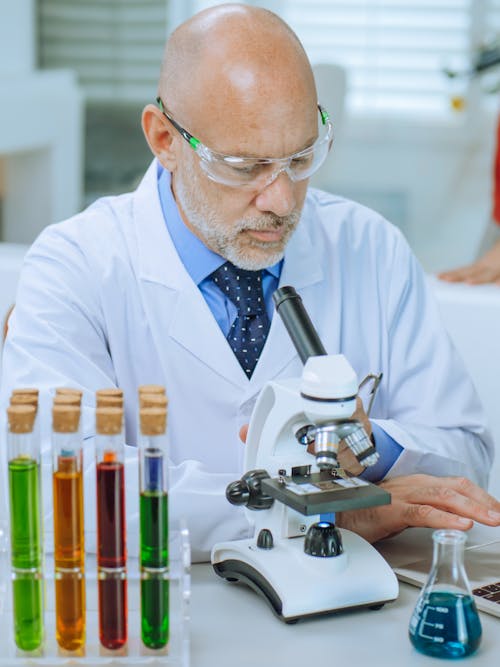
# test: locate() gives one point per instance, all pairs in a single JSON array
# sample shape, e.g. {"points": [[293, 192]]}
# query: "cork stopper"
{"points": [[65, 418], [21, 418], [26, 390], [68, 399], [68, 391], [153, 421], [153, 401], [151, 389], [109, 401], [108, 421], [111, 391], [24, 399]]}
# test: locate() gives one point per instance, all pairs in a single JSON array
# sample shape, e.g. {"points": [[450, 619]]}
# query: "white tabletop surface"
{"points": [[231, 626]]}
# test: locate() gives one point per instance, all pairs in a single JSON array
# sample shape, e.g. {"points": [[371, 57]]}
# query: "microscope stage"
{"points": [[321, 493]]}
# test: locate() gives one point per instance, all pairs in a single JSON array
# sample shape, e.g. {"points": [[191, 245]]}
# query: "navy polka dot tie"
{"points": [[251, 326]]}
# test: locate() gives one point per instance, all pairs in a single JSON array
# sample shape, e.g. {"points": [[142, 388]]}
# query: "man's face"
{"points": [[247, 226]]}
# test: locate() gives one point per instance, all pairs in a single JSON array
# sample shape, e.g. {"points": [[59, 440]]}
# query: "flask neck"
{"points": [[448, 561]]}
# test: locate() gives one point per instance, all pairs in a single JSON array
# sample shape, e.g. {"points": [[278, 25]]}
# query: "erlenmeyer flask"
{"points": [[445, 622]]}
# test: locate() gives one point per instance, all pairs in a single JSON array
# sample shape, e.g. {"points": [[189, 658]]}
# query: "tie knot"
{"points": [[242, 287]]}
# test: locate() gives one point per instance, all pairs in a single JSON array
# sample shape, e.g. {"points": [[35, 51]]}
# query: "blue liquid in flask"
{"points": [[445, 625]]}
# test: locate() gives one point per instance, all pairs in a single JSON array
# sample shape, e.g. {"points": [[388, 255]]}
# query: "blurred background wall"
{"points": [[411, 142]]}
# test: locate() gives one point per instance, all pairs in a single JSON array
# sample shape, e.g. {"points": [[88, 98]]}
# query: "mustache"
{"points": [[268, 223]]}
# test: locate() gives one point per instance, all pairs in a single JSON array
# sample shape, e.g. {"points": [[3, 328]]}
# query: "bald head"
{"points": [[235, 62]]}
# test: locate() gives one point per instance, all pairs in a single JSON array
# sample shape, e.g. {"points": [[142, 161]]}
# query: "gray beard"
{"points": [[224, 241]]}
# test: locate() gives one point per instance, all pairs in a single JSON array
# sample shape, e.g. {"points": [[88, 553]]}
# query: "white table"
{"points": [[231, 626]]}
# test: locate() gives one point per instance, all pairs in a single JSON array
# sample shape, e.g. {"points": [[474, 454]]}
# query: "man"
{"points": [[141, 289]]}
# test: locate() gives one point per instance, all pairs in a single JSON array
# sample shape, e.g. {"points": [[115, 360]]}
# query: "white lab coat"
{"points": [[104, 300]]}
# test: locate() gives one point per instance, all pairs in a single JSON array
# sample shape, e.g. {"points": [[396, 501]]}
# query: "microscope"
{"points": [[298, 560]]}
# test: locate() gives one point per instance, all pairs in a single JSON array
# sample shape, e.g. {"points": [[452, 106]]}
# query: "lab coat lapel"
{"points": [[173, 303]]}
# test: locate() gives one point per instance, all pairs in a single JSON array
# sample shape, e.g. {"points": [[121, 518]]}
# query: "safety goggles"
{"points": [[258, 173]]}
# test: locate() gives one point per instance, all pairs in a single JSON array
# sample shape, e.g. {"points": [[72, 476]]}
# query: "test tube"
{"points": [[69, 548], [111, 530], [153, 483], [23, 453]]}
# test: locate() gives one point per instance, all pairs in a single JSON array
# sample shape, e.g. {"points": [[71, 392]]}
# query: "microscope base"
{"points": [[297, 585]]}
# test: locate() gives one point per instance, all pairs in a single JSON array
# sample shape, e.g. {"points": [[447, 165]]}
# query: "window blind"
{"points": [[115, 46], [394, 51]]}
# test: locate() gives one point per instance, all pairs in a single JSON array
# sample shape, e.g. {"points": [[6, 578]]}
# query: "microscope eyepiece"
{"points": [[298, 323]]}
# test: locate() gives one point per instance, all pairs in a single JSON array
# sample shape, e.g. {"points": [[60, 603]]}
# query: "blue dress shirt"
{"points": [[200, 262]]}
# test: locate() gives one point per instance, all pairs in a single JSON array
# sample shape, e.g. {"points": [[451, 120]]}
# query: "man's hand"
{"points": [[345, 457], [423, 500], [484, 270]]}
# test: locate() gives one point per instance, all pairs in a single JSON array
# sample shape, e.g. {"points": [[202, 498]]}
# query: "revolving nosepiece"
{"points": [[328, 436]]}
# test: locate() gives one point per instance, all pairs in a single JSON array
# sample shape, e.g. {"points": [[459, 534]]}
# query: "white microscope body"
{"points": [[301, 564]]}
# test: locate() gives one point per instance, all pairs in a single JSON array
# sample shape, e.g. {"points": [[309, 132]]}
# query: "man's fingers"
{"points": [[361, 415], [467, 488], [449, 500], [430, 517], [459, 496], [422, 483]]}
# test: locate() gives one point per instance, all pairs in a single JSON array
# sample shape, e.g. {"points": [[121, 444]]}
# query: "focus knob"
{"points": [[265, 539], [237, 493], [323, 540], [248, 491]]}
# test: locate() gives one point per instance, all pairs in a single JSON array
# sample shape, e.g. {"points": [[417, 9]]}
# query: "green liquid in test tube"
{"points": [[25, 520], [154, 561], [153, 506], [25, 513], [28, 610], [154, 527]]}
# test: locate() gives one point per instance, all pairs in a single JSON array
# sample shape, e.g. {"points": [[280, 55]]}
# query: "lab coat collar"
{"points": [[176, 307]]}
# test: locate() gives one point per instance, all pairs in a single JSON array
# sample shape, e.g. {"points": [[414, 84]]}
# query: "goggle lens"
{"points": [[245, 172]]}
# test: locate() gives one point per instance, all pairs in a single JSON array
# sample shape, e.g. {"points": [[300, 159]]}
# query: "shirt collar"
{"points": [[198, 260]]}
